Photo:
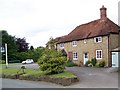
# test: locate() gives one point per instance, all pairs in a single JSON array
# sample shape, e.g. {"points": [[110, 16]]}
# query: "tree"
{"points": [[52, 62], [11, 44], [31, 48], [22, 44], [51, 43]]}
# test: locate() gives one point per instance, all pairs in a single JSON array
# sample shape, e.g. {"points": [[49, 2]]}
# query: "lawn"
{"points": [[10, 64], [29, 72]]}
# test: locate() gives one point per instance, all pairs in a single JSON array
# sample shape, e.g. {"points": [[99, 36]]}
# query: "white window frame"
{"points": [[74, 43], [85, 40], [99, 39], [75, 56], [62, 45], [98, 54]]}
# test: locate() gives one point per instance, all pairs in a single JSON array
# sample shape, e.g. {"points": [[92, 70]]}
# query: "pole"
{"points": [[6, 55]]}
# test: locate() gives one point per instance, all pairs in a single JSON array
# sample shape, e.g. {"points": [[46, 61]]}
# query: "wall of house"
{"points": [[90, 46], [113, 43]]}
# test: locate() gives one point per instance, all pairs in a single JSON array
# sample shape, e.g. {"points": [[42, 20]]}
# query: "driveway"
{"points": [[88, 77], [94, 77]]}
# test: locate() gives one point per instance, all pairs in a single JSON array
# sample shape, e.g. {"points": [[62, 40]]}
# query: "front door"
{"points": [[85, 57], [114, 59]]}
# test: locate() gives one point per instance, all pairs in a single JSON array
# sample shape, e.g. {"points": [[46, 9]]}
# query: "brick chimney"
{"points": [[103, 14]]}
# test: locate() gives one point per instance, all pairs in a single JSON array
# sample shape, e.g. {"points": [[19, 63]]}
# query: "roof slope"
{"points": [[95, 28]]}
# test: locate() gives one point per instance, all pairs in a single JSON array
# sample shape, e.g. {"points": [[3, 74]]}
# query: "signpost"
{"points": [[6, 55]]}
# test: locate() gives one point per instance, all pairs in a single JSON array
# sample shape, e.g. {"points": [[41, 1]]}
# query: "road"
{"points": [[12, 83]]}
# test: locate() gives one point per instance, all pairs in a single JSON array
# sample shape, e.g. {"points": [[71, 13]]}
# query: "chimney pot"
{"points": [[103, 13]]}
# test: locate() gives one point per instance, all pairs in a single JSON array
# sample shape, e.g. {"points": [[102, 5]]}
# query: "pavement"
{"points": [[89, 77]]}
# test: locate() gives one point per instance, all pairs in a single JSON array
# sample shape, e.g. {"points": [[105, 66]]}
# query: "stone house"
{"points": [[95, 39]]}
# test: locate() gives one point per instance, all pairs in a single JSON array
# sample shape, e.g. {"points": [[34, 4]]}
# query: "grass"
{"points": [[10, 64], [31, 72]]}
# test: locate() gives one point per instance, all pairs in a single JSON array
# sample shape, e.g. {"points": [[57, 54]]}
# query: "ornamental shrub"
{"points": [[93, 61], [70, 63], [87, 63], [52, 62], [101, 63]]}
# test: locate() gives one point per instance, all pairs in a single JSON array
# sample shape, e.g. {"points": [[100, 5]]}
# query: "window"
{"points": [[61, 45], [98, 54], [86, 55], [74, 43], [97, 39], [85, 41], [75, 56]]}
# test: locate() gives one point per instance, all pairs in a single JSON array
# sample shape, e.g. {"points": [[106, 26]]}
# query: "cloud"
{"points": [[38, 20]]}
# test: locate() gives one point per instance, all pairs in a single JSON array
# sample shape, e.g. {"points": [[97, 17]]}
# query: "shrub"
{"points": [[101, 63], [87, 63], [70, 63], [52, 62], [2, 61], [93, 61]]}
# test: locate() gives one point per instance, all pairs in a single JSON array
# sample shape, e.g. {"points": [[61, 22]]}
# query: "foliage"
{"points": [[87, 63], [22, 44], [2, 61], [70, 63], [93, 61], [52, 62], [34, 72], [11, 44], [101, 63]]}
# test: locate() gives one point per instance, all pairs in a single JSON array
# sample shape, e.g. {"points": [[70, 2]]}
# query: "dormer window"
{"points": [[98, 39], [61, 45], [74, 43]]}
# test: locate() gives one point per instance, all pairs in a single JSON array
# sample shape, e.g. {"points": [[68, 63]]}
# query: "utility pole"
{"points": [[6, 55]]}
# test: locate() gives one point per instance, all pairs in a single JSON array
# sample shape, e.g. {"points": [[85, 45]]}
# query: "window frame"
{"points": [[99, 54], [74, 43], [99, 39], [75, 56]]}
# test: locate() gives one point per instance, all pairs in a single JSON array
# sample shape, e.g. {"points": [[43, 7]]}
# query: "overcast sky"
{"points": [[38, 20]]}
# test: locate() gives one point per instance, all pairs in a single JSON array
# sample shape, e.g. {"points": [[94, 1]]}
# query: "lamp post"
{"points": [[6, 55]]}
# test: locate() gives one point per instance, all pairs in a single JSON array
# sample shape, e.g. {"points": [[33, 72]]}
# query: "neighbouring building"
{"points": [[95, 39]]}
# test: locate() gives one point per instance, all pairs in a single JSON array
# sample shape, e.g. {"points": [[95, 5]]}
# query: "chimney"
{"points": [[103, 13]]}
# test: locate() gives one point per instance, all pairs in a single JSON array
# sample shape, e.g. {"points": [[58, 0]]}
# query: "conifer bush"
{"points": [[52, 62]]}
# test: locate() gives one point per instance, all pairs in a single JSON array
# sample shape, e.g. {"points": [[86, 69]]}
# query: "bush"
{"points": [[101, 63], [87, 63], [2, 61], [93, 61], [52, 62], [70, 63]]}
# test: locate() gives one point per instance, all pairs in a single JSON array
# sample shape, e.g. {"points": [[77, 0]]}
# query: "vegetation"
{"points": [[87, 63], [70, 63], [91, 62], [101, 63], [52, 62], [32, 72]]}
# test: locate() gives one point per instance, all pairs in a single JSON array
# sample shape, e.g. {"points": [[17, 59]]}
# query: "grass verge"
{"points": [[31, 72]]}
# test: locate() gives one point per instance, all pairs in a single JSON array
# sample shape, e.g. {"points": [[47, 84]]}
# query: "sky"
{"points": [[38, 20]]}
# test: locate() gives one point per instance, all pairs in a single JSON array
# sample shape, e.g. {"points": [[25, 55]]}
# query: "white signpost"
{"points": [[6, 55]]}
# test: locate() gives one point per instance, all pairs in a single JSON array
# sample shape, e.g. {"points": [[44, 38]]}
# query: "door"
{"points": [[114, 59], [85, 57]]}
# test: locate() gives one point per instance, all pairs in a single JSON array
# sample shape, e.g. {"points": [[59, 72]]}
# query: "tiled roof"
{"points": [[95, 28]]}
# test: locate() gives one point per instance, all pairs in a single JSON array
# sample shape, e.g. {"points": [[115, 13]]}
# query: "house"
{"points": [[95, 39]]}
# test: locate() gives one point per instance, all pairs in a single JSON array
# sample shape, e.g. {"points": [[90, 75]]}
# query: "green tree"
{"points": [[11, 44], [52, 62]]}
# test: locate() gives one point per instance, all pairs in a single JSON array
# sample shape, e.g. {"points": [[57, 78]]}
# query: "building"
{"points": [[95, 39]]}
